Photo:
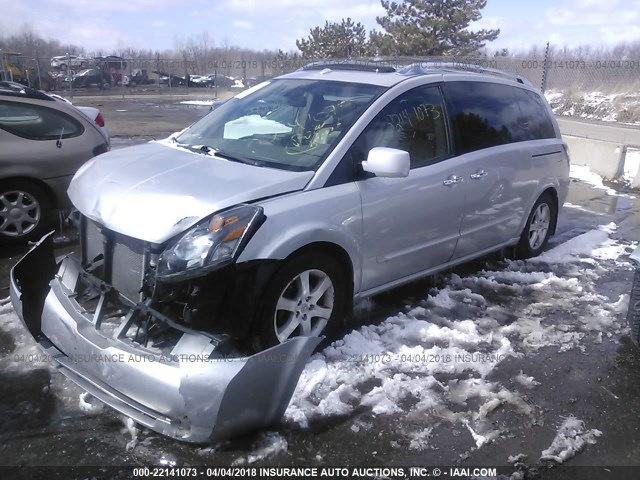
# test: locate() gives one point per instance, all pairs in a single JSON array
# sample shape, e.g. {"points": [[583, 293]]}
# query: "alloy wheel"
{"points": [[304, 306], [539, 227], [20, 213]]}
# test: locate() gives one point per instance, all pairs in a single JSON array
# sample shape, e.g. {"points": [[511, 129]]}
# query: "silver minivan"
{"points": [[256, 228]]}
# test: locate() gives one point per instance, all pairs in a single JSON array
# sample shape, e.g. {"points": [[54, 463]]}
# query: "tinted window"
{"points": [[36, 122], [483, 114], [534, 122], [413, 122]]}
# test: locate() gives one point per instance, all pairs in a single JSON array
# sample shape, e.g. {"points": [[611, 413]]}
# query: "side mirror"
{"points": [[387, 162]]}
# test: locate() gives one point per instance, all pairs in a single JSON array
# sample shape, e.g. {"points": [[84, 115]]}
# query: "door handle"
{"points": [[452, 180], [478, 175]]}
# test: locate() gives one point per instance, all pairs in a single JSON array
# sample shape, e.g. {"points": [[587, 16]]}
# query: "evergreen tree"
{"points": [[335, 40], [430, 28]]}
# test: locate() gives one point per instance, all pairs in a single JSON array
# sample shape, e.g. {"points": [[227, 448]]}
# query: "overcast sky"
{"points": [[259, 24]]}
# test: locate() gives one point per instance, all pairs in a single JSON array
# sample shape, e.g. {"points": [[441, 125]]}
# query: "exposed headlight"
{"points": [[210, 244]]}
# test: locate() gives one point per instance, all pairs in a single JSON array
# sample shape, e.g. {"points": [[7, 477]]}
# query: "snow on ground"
{"points": [[267, 445], [570, 439], [432, 361], [584, 174], [206, 103], [612, 107], [631, 164]]}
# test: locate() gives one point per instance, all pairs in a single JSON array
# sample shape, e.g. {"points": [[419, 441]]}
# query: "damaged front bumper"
{"points": [[194, 394]]}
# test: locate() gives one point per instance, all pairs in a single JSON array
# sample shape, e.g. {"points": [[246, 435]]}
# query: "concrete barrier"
{"points": [[604, 158]]}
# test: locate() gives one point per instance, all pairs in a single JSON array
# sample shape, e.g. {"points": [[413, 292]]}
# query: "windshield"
{"points": [[288, 124]]}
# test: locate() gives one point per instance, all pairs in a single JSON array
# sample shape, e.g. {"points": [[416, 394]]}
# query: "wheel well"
{"points": [[554, 196], [45, 188], [336, 252]]}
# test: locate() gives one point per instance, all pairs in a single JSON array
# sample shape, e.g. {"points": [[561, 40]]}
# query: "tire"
{"points": [[633, 313], [25, 212], [284, 311], [537, 230]]}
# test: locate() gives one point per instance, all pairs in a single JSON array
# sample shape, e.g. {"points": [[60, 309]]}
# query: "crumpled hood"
{"points": [[155, 191]]}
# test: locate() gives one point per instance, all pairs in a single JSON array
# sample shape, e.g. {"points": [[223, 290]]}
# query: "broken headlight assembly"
{"points": [[210, 244]]}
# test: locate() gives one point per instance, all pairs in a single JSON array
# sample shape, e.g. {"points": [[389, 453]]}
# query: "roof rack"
{"points": [[352, 65], [422, 68], [18, 90]]}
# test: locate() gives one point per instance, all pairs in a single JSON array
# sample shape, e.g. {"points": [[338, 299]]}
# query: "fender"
{"points": [[331, 214]]}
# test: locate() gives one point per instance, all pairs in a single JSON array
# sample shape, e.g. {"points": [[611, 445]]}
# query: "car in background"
{"points": [[93, 77], [62, 78], [138, 76], [63, 62], [44, 141], [92, 113]]}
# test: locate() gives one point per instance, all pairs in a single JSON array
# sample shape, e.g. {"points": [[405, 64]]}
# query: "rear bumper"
{"points": [[189, 395]]}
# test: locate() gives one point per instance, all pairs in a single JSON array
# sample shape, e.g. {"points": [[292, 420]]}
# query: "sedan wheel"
{"points": [[24, 212]]}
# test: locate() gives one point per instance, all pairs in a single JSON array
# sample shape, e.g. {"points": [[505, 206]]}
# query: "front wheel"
{"points": [[537, 230], [306, 297], [25, 212]]}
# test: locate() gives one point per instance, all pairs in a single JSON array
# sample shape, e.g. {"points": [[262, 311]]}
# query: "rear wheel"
{"points": [[538, 227], [25, 212], [306, 297]]}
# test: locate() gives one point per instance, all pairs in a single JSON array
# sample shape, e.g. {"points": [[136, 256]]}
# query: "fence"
{"points": [[582, 86]]}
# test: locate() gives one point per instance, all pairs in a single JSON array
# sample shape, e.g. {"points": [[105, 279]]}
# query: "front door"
{"points": [[410, 224]]}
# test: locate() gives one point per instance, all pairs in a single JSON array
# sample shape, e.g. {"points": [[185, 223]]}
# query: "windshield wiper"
{"points": [[207, 149], [228, 156]]}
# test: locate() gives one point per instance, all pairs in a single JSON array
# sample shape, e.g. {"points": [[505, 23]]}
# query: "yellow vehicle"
{"points": [[13, 67]]}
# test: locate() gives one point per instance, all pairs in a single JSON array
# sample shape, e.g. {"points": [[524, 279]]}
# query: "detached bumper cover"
{"points": [[196, 399]]}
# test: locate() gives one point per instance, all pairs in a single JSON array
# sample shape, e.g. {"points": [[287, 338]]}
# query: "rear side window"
{"points": [[36, 122], [534, 122], [483, 114]]}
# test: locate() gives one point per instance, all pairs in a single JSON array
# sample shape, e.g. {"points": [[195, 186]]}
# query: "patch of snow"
{"points": [[481, 439], [525, 381], [584, 174], [594, 244], [206, 103], [570, 439], [269, 444], [513, 459], [433, 360], [553, 95], [631, 164], [419, 439], [86, 405], [130, 428]]}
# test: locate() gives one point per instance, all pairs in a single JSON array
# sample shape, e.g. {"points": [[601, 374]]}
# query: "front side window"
{"points": [[414, 122], [483, 114], [36, 122], [288, 124]]}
